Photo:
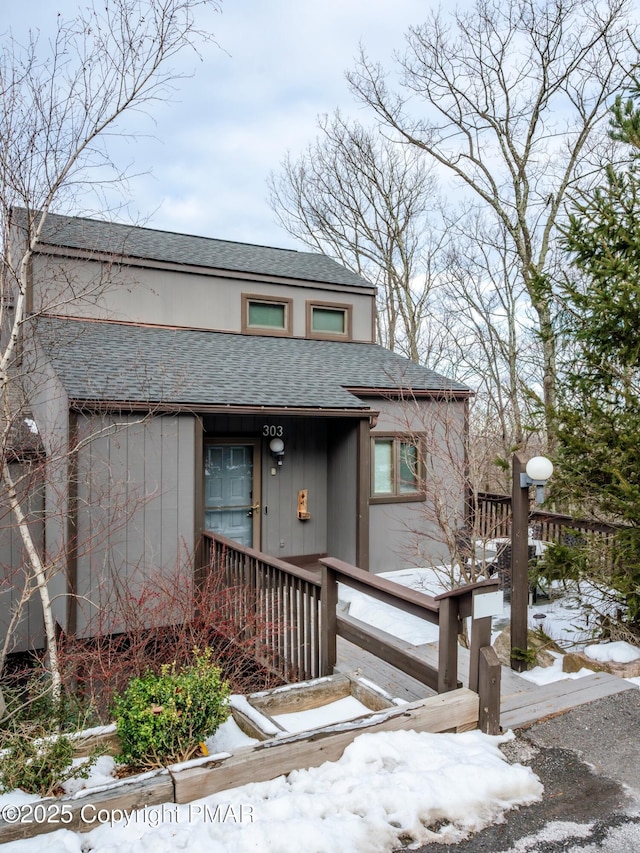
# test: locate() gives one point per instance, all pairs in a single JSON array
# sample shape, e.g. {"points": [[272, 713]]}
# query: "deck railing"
{"points": [[277, 602], [299, 621], [493, 520]]}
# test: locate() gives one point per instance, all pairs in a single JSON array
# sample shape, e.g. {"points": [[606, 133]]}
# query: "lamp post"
{"points": [[535, 472]]}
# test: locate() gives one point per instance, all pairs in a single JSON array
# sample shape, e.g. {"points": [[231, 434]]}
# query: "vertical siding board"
{"points": [[154, 496], [29, 632], [186, 481], [341, 491], [94, 528], [117, 570], [133, 440], [167, 477]]}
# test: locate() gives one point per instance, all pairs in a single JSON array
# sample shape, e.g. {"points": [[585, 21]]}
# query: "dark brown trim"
{"points": [[256, 480], [72, 527], [362, 495], [198, 503], [255, 298], [409, 394], [410, 497], [347, 308], [420, 441], [160, 408]]}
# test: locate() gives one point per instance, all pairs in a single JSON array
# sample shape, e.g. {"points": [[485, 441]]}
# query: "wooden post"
{"points": [[448, 645], [519, 564], [480, 638], [363, 489], [490, 671], [328, 604]]}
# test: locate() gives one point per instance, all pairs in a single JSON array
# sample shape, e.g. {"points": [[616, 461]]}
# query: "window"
{"points": [[396, 469], [266, 315], [328, 320]]}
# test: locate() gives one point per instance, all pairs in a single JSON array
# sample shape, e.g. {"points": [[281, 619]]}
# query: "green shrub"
{"points": [[162, 718], [39, 765]]}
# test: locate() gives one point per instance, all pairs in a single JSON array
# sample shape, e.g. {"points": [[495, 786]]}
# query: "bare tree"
{"points": [[59, 103], [507, 98], [368, 203], [495, 336]]}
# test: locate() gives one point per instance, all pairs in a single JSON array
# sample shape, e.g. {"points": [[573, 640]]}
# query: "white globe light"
{"points": [[276, 445], [539, 468]]}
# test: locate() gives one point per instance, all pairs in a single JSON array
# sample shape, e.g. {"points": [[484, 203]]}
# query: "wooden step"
{"points": [[522, 709]]}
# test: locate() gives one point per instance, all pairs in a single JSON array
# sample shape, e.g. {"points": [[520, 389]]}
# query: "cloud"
{"points": [[278, 65]]}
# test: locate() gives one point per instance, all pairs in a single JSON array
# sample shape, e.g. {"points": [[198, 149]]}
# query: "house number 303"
{"points": [[273, 431]]}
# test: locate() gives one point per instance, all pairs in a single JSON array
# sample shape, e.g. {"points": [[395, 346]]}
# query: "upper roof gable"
{"points": [[129, 241]]}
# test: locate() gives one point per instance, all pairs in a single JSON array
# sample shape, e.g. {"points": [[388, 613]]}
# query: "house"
{"points": [[208, 385]]}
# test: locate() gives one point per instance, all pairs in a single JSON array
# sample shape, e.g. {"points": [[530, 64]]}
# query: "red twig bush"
{"points": [[208, 614]]}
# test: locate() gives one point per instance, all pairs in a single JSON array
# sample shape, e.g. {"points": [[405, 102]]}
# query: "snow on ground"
{"points": [[566, 620], [102, 773], [387, 789], [546, 674], [619, 652], [405, 626], [228, 737], [347, 708]]}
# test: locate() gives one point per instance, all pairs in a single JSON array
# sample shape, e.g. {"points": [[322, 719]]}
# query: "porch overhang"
{"points": [[132, 406]]}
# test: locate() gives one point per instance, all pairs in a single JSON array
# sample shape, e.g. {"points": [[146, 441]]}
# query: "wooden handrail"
{"points": [[289, 568], [417, 603], [304, 598]]}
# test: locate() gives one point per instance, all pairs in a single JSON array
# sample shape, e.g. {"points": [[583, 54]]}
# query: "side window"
{"points": [[397, 469], [328, 320], [264, 315]]}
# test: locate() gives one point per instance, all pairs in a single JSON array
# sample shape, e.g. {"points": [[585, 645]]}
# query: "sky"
{"points": [[277, 65]]}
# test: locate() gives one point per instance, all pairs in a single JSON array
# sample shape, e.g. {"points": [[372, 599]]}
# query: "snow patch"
{"points": [[619, 652]]}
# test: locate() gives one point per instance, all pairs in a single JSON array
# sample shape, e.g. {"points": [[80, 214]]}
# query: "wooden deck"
{"points": [[522, 702]]}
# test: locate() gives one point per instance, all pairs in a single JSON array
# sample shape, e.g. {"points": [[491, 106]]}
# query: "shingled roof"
{"points": [[100, 361], [128, 241]]}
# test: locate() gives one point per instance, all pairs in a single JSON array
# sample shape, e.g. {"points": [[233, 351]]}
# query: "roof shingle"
{"points": [[123, 362], [130, 241]]}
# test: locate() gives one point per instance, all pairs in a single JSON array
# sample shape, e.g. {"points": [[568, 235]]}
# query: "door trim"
{"points": [[256, 485]]}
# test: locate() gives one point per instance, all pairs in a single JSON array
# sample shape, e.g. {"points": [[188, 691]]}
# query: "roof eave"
{"points": [[409, 393], [159, 408]]}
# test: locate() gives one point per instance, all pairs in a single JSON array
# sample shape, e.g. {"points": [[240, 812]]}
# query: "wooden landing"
{"points": [[523, 709], [522, 702]]}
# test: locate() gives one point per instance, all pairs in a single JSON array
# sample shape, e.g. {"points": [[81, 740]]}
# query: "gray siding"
{"points": [[342, 490], [415, 533], [14, 573], [49, 405], [135, 516], [173, 298], [304, 467]]}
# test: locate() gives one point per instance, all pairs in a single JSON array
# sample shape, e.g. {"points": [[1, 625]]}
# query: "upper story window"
{"points": [[266, 315], [397, 468], [328, 320]]}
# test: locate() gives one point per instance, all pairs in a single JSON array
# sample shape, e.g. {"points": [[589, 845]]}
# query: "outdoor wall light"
{"points": [[276, 446], [537, 472]]}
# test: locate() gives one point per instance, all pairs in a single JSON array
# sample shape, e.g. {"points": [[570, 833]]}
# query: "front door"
{"points": [[229, 505]]}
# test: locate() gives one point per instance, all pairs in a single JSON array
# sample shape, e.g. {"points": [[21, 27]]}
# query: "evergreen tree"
{"points": [[599, 417]]}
